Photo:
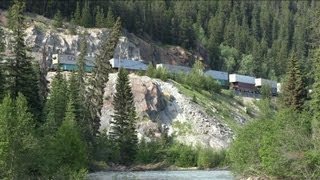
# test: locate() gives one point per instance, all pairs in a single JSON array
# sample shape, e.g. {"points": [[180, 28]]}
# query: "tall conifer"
{"points": [[2, 49], [21, 77], [17, 140], [294, 93], [100, 77], [86, 18], [315, 102], [123, 132], [56, 104]]}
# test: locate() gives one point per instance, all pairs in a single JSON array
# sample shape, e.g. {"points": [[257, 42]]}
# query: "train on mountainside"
{"points": [[242, 84]]}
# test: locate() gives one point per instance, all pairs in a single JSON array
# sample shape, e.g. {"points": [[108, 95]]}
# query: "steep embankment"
{"points": [[211, 120], [208, 120]]}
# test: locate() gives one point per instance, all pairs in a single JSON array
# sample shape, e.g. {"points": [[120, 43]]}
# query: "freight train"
{"points": [[240, 83]]}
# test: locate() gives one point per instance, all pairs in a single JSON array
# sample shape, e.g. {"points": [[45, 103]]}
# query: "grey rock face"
{"points": [[159, 104]]}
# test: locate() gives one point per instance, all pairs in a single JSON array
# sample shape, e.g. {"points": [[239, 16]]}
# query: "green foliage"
{"points": [[86, 17], [264, 32], [56, 104], [294, 92], [20, 74], [72, 26], [230, 57], [100, 20], [100, 74], [17, 140], [150, 70], [266, 92], [279, 150], [150, 152], [57, 20], [182, 155], [105, 150], [2, 78], [123, 132], [315, 102], [209, 158], [77, 14], [199, 81], [67, 148], [110, 19]]}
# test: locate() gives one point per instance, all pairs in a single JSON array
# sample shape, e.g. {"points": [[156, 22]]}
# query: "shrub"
{"points": [[209, 158], [105, 150], [182, 155], [149, 152]]}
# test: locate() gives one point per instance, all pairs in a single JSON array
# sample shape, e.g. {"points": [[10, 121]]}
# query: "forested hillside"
{"points": [[249, 37], [52, 128]]}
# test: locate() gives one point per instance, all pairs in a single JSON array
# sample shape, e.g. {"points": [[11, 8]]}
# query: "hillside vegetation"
{"points": [[62, 126], [251, 37]]}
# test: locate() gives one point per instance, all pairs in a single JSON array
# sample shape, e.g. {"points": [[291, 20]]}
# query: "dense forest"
{"points": [[250, 37], [59, 129]]}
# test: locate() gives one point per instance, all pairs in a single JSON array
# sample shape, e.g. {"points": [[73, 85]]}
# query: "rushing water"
{"points": [[163, 175]]}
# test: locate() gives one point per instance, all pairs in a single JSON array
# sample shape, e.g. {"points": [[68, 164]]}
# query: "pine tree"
{"points": [[72, 26], [2, 49], [86, 18], [21, 77], [100, 21], [56, 104], [68, 148], [294, 93], [315, 102], [57, 20], [77, 14], [123, 131], [17, 141], [110, 20], [43, 72], [100, 77]]}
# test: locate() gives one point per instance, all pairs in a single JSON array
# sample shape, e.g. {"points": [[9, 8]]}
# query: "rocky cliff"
{"points": [[162, 105], [40, 34]]}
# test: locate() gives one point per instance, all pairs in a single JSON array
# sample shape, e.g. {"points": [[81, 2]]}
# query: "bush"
{"points": [[160, 73], [228, 93], [273, 146], [149, 152], [209, 158], [182, 155], [105, 150], [195, 79]]}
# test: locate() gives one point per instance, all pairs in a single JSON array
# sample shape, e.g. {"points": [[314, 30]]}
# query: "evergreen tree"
{"points": [[77, 14], [72, 26], [21, 77], [57, 20], [123, 131], [294, 93], [43, 72], [101, 70], [68, 149], [17, 141], [100, 21], [56, 104], [110, 20], [86, 18], [2, 49], [315, 102]]}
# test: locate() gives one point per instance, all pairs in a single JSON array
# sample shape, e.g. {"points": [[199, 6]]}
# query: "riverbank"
{"points": [[161, 166], [168, 175]]}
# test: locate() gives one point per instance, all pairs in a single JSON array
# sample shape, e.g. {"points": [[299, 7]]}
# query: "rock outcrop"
{"points": [[160, 104], [40, 34]]}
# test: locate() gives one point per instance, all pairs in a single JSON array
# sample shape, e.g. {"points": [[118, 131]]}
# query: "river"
{"points": [[163, 175]]}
